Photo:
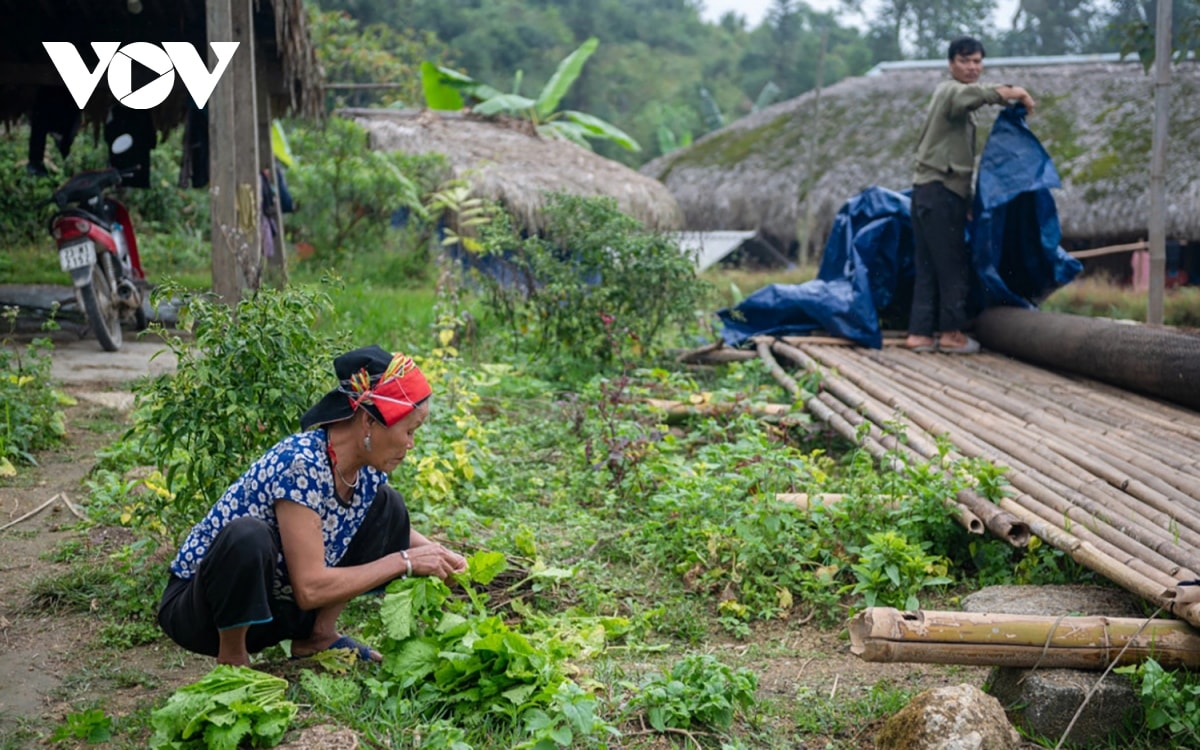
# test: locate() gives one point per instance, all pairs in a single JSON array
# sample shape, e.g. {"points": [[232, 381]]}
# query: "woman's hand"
{"points": [[434, 560]]}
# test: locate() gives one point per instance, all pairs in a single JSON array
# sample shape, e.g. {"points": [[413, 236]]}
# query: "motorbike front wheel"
{"points": [[100, 303]]}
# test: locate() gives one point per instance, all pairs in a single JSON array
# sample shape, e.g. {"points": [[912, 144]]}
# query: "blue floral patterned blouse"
{"points": [[296, 469]]}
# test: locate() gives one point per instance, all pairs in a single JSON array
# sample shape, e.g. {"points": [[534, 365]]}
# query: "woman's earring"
{"points": [[367, 442]]}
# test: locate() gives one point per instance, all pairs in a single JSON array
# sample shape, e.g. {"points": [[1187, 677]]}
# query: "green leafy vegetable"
{"points": [[223, 708]]}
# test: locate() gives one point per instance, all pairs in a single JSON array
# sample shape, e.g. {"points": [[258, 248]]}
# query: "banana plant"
{"points": [[445, 88]]}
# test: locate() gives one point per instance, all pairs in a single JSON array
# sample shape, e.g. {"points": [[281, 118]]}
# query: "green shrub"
{"points": [[162, 208], [699, 691], [241, 384], [31, 416], [346, 192], [595, 286]]}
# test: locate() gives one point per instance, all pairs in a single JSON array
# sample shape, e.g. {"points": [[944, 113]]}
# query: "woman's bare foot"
{"points": [[920, 343]]}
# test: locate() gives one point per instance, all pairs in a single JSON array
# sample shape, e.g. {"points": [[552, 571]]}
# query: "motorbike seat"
{"points": [[85, 186]]}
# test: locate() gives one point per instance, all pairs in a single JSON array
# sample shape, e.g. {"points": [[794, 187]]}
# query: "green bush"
{"points": [[164, 207], [699, 691], [31, 416], [346, 192], [595, 286], [241, 384]]}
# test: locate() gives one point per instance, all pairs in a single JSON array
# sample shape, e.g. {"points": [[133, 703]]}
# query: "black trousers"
{"points": [[233, 584], [943, 264]]}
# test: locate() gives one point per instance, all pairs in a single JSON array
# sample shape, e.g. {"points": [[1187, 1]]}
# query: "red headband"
{"points": [[395, 394]]}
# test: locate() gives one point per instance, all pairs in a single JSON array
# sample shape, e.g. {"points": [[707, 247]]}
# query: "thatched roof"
{"points": [[517, 168], [1094, 119], [281, 31]]}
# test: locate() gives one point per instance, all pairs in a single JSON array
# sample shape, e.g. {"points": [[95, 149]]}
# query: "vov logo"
{"points": [[117, 60]]}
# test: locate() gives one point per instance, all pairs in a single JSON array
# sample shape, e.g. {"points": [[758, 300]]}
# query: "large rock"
{"points": [[1051, 601], [1043, 702], [961, 717]]}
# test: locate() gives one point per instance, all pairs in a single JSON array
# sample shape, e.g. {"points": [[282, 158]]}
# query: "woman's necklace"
{"points": [[333, 462], [351, 485]]}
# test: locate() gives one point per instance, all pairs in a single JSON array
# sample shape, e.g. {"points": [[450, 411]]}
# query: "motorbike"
{"points": [[98, 247]]}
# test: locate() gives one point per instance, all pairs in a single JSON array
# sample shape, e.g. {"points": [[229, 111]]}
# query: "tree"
{"points": [[925, 27], [568, 124], [1053, 27]]}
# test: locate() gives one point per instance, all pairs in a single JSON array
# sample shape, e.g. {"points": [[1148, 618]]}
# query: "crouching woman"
{"points": [[312, 524]]}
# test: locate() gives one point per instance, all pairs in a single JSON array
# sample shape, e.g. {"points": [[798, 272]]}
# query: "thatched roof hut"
{"points": [[280, 33], [805, 157], [512, 165]]}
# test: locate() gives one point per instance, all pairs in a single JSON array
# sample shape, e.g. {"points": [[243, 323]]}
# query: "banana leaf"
{"points": [[559, 83], [602, 129], [440, 93], [510, 103], [568, 131]]}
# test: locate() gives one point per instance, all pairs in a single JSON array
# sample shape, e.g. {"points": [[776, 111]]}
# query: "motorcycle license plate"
{"points": [[77, 256]]}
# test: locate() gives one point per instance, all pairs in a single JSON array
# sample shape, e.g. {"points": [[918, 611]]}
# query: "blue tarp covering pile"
{"points": [[866, 272]]}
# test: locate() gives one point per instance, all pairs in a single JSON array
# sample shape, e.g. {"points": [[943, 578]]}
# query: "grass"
{"points": [[1098, 296]]}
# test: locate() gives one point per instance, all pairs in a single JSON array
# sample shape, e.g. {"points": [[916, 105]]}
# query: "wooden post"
{"points": [[1158, 164], [233, 155]]}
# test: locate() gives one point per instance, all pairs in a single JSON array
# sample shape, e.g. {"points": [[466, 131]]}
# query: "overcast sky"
{"points": [[756, 10]]}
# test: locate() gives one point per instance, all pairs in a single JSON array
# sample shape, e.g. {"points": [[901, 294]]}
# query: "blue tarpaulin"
{"points": [[866, 271]]}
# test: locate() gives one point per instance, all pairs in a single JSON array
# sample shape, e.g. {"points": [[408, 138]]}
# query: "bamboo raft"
{"points": [[1109, 477]]}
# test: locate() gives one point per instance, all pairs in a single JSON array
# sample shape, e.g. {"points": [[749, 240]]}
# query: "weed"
{"points": [[699, 691], [92, 726], [31, 416], [1171, 700]]}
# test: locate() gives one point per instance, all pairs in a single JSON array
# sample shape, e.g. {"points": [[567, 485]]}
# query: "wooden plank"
{"points": [[1096, 252]]}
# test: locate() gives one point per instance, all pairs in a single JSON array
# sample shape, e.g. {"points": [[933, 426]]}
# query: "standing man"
{"points": [[941, 201]]}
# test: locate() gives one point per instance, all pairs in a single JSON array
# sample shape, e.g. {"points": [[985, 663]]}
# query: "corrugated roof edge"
{"points": [[995, 62]]}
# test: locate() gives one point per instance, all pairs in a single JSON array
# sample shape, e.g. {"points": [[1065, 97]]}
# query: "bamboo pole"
{"points": [[1077, 463], [1032, 406], [1000, 524], [1096, 252], [824, 408], [1060, 630], [1131, 406], [1130, 540], [715, 354], [806, 501]]}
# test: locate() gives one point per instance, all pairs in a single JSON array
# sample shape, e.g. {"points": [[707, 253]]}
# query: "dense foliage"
{"points": [[593, 288], [244, 377], [665, 76], [31, 417]]}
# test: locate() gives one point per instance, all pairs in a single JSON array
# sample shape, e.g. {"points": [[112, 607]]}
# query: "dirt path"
{"points": [[48, 658]]}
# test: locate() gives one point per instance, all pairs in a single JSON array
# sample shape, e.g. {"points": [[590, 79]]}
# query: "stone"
{"points": [[1044, 701], [959, 717], [1051, 601]]}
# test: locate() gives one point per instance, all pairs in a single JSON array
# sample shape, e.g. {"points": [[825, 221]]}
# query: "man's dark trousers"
{"points": [[942, 264]]}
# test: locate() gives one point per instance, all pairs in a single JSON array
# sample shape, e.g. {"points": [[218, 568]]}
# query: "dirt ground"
{"points": [[50, 664]]}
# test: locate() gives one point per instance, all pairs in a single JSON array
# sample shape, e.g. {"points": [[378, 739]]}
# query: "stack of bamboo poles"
{"points": [[1109, 477]]}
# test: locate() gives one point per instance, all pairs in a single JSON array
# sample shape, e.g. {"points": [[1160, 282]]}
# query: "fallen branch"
{"points": [[32, 513]]}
